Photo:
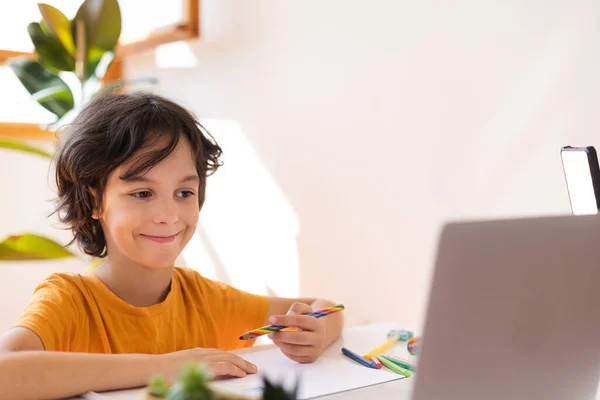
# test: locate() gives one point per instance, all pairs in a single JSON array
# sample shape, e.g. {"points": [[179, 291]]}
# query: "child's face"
{"points": [[149, 220]]}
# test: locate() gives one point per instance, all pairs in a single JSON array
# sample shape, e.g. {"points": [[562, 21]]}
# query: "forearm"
{"points": [[334, 323], [41, 374]]}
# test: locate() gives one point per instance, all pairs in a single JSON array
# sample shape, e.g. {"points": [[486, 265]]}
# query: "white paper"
{"points": [[325, 376], [331, 373], [130, 394]]}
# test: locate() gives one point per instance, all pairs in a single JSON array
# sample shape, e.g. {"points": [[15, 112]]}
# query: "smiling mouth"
{"points": [[161, 239]]}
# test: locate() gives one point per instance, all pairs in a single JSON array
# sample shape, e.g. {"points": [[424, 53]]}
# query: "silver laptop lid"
{"points": [[514, 311]]}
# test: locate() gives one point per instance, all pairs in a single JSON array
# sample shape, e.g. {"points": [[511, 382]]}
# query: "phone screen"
{"points": [[580, 185]]}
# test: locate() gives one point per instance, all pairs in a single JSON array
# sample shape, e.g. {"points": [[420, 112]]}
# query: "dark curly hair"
{"points": [[106, 134]]}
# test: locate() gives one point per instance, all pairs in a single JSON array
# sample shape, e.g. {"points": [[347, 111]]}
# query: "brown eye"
{"points": [[185, 193], [144, 194]]}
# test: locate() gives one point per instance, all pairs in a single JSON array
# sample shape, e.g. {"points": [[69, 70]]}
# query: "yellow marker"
{"points": [[382, 348]]}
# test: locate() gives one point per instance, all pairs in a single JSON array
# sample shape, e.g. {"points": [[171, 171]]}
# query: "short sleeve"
{"points": [[52, 314], [235, 312]]}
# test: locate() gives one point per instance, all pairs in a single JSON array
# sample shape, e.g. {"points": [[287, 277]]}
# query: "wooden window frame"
{"points": [[186, 29]]}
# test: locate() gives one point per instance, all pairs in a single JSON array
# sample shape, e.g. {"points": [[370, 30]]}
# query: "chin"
{"points": [[158, 263]]}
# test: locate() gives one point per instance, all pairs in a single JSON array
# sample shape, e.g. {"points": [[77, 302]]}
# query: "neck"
{"points": [[135, 284]]}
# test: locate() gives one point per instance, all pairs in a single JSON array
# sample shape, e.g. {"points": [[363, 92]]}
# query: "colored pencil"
{"points": [[382, 348], [402, 362], [357, 358], [276, 328], [376, 362], [393, 367]]}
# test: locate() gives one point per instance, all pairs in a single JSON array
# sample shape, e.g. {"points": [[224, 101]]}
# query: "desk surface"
{"points": [[361, 338]]}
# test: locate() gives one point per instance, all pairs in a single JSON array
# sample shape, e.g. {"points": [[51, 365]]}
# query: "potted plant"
{"points": [[84, 47], [194, 384]]}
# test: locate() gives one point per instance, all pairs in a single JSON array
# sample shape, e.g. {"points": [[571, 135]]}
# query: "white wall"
{"points": [[26, 194], [380, 120]]}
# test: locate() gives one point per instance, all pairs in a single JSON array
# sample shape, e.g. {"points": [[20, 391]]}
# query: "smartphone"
{"points": [[582, 174]]}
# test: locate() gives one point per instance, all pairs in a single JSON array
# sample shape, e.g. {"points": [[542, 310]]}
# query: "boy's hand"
{"points": [[219, 362], [307, 342]]}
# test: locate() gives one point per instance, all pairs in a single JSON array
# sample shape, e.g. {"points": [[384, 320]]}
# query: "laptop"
{"points": [[514, 311]]}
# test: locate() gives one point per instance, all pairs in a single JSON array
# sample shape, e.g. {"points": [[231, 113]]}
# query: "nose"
{"points": [[166, 212]]}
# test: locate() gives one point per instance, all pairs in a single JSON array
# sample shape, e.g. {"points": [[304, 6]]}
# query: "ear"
{"points": [[96, 206]]}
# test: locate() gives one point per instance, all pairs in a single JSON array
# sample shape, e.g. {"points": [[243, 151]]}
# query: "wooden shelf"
{"points": [[24, 131], [6, 54]]}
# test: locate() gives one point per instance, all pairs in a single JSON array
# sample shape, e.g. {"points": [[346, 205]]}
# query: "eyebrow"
{"points": [[142, 179]]}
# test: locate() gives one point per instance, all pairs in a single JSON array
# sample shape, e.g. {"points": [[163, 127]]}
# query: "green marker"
{"points": [[396, 368], [401, 363]]}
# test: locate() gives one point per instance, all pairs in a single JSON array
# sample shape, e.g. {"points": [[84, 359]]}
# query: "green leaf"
{"points": [[158, 386], [35, 78], [192, 384], [59, 25], [102, 21], [20, 146], [45, 28], [50, 49], [96, 56], [31, 247], [54, 92], [103, 64]]}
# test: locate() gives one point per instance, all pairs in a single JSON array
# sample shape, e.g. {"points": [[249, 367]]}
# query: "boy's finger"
{"points": [[223, 368], [298, 337], [299, 309], [297, 350], [300, 359], [241, 363], [233, 359], [296, 321]]}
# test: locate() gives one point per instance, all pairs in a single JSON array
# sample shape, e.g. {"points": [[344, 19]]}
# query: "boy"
{"points": [[131, 177]]}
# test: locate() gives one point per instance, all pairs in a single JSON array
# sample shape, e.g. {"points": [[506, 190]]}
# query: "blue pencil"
{"points": [[358, 359]]}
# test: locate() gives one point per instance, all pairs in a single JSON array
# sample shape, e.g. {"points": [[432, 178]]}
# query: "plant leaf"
{"points": [[103, 23], [54, 92], [50, 49], [158, 386], [20, 146], [59, 25], [35, 78], [103, 64], [31, 247], [45, 28], [96, 56], [192, 384]]}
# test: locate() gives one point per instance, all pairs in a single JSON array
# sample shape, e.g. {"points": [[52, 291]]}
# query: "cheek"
{"points": [[190, 216], [121, 222]]}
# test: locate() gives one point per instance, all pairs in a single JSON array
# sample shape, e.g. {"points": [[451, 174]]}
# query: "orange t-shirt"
{"points": [[78, 313]]}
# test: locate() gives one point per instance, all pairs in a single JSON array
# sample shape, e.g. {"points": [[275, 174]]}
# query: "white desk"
{"points": [[359, 339], [364, 338]]}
